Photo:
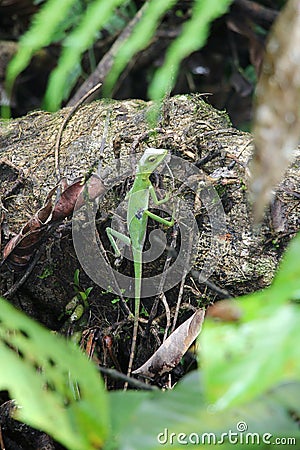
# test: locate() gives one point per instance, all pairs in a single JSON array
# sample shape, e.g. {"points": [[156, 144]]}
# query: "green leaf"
{"points": [[142, 33], [97, 14], [160, 419], [287, 282], [192, 38], [47, 272], [38, 366], [43, 28], [243, 360], [88, 291], [76, 277]]}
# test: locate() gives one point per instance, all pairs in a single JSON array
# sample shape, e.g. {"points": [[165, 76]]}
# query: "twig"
{"points": [[106, 63], [200, 279], [180, 294], [123, 304], [257, 11], [207, 158], [223, 293], [168, 315], [28, 271], [64, 123], [1, 439], [132, 381]]}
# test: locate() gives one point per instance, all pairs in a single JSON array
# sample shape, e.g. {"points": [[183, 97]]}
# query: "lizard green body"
{"points": [[137, 218]]}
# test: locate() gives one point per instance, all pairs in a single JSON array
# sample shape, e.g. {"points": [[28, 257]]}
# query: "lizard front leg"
{"points": [[168, 223]]}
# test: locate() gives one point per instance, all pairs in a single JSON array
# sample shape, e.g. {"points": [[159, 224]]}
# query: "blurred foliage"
{"points": [[243, 368], [277, 114], [77, 26], [40, 371]]}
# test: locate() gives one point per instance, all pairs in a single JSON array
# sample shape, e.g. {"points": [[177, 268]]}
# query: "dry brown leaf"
{"points": [[277, 112], [169, 354], [66, 202], [19, 250], [226, 310]]}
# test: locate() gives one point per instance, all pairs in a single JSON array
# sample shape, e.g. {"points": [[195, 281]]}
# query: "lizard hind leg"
{"points": [[113, 235]]}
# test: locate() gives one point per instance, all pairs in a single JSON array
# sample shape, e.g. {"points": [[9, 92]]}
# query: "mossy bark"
{"points": [[189, 128]]}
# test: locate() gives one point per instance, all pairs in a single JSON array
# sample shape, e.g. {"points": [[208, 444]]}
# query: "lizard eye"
{"points": [[152, 159]]}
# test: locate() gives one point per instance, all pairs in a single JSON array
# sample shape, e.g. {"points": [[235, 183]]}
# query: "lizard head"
{"points": [[151, 159]]}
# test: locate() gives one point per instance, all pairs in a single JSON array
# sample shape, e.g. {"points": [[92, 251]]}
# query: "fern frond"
{"points": [[138, 40], [40, 34], [96, 16], [193, 37]]}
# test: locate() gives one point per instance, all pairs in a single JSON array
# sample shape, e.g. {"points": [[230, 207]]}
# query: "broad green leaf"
{"points": [[285, 287], [154, 411], [286, 284], [163, 419], [36, 369], [97, 14], [241, 361], [192, 38]]}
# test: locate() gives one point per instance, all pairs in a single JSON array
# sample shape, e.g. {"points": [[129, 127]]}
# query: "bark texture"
{"points": [[189, 128]]}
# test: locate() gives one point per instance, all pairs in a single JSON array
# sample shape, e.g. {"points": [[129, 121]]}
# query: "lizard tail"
{"points": [[137, 257]]}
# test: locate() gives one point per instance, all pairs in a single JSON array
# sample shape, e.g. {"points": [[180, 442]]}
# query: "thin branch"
{"points": [[64, 123], [223, 293], [168, 315], [28, 271], [106, 63], [131, 381], [257, 11], [180, 294]]}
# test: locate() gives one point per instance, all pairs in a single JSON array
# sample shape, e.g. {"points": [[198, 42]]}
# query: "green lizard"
{"points": [[137, 218]]}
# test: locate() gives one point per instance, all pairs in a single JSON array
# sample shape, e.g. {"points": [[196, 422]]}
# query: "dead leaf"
{"points": [[21, 247], [226, 310], [95, 188], [19, 250], [169, 354], [66, 202], [277, 116]]}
